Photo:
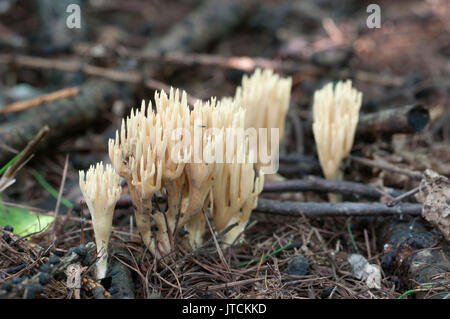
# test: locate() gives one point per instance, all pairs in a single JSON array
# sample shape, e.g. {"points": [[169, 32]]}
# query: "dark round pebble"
{"points": [[80, 250], [87, 260], [297, 266], [106, 282], [45, 268], [33, 290], [58, 253], [6, 238], [6, 287], [17, 280], [53, 260], [113, 290], [9, 228], [326, 292], [44, 278]]}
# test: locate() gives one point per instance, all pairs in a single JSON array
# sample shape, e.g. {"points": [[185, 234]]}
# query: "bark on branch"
{"points": [[306, 209], [63, 116], [417, 256], [211, 21], [314, 184], [404, 119]]}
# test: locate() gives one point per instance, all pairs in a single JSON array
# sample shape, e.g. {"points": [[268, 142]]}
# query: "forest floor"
{"points": [[404, 62]]}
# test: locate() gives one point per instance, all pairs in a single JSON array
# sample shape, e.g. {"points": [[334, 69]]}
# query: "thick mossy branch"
{"points": [[63, 117]]}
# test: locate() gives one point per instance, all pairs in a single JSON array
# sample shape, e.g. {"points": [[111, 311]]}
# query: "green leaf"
{"points": [[23, 221]]}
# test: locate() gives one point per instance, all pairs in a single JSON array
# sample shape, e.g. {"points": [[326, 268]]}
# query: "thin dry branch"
{"points": [[131, 76], [315, 210], [387, 166], [315, 184], [27, 104], [9, 174]]}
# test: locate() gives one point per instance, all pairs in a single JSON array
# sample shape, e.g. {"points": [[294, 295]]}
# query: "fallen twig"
{"points": [[403, 196], [8, 177], [131, 76], [404, 119], [340, 209], [241, 63], [387, 166], [25, 105], [315, 184]]}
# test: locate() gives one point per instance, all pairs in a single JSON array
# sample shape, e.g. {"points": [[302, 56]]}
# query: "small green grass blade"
{"points": [[51, 190], [4, 168], [258, 259]]}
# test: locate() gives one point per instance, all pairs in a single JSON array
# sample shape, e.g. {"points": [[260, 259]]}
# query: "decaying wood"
{"points": [[435, 195], [63, 116], [321, 185], [210, 22], [121, 280], [405, 119], [417, 256], [316, 210]]}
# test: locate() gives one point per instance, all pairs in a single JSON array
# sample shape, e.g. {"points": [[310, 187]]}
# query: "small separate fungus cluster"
{"points": [[266, 97], [101, 190], [161, 149], [336, 114]]}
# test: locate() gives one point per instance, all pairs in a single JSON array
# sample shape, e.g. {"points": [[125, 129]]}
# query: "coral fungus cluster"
{"points": [[164, 150], [336, 114], [194, 158], [266, 96]]}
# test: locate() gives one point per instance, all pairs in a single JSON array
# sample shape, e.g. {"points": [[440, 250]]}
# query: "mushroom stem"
{"points": [[196, 229]]}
